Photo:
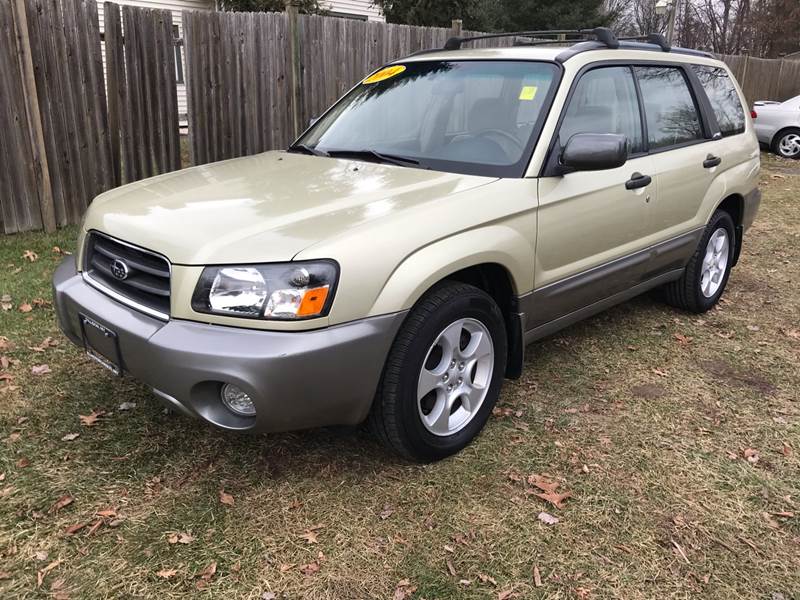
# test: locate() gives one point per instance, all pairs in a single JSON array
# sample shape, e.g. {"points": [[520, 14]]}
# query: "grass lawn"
{"points": [[678, 437]]}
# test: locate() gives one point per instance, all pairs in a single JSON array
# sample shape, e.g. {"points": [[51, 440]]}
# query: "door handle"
{"points": [[638, 180], [711, 161]]}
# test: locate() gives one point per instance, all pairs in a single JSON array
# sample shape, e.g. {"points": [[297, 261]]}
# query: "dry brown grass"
{"points": [[647, 432]]}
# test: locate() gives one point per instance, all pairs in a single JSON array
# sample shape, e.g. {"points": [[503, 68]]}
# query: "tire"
{"points": [[694, 293], [447, 312], [787, 143]]}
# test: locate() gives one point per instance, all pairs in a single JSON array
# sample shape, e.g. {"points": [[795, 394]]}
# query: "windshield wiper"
{"points": [[395, 159], [306, 149]]}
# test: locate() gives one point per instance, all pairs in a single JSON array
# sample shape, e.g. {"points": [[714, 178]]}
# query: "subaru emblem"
{"points": [[119, 269]]}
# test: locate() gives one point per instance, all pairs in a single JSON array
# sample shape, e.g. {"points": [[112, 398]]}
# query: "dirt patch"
{"points": [[649, 391], [729, 374]]}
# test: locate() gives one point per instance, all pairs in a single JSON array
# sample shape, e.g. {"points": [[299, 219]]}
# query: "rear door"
{"points": [[591, 228], [686, 160]]}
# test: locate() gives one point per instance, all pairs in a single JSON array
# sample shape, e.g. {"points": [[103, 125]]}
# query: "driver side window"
{"points": [[605, 101]]}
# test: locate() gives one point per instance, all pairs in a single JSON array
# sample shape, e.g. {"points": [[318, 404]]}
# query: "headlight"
{"points": [[286, 291]]}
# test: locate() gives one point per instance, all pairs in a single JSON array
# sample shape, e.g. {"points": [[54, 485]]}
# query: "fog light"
{"points": [[236, 401]]}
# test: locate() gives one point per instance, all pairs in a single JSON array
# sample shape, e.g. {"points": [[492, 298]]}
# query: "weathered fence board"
{"points": [[237, 67], [142, 90], [64, 38], [19, 199]]}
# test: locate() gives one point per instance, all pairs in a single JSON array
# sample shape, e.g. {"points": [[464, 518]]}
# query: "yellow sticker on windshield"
{"points": [[385, 74], [528, 92]]}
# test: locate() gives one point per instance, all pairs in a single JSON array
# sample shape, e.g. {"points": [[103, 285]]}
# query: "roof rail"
{"points": [[601, 34]]}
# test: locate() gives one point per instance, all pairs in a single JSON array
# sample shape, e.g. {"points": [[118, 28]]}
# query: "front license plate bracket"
{"points": [[101, 344]]}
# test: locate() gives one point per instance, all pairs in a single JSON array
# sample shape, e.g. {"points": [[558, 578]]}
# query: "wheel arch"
{"points": [[734, 206], [503, 271]]}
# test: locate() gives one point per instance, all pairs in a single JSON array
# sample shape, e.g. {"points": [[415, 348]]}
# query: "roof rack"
{"points": [[598, 38], [601, 34], [651, 38]]}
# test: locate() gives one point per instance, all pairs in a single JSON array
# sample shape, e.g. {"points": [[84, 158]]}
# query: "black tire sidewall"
{"points": [[423, 444], [720, 219], [777, 144]]}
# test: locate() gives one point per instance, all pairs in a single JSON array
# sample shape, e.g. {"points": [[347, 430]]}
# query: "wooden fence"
{"points": [[254, 81], [765, 79], [63, 139]]}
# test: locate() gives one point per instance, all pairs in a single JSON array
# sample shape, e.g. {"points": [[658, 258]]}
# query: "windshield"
{"points": [[474, 117]]}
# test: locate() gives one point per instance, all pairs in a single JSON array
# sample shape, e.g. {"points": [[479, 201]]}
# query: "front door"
{"points": [[591, 227]]}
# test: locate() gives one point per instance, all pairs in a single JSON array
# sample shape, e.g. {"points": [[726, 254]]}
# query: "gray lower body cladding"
{"points": [[297, 379]]}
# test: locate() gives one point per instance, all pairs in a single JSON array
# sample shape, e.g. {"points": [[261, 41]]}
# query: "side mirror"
{"points": [[594, 152]]}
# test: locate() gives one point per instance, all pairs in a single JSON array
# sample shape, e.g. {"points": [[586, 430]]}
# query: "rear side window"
{"points": [[724, 99], [604, 101], [672, 116]]}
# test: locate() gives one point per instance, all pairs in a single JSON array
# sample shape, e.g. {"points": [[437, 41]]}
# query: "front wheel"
{"points": [[705, 277], [787, 144], [443, 374]]}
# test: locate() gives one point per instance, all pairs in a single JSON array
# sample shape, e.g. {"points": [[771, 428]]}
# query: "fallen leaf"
{"points": [[206, 574], [62, 502], [487, 578], [23, 462], [30, 255], [5, 575], [543, 483], [786, 450], [268, 596], [555, 499], [127, 406], [13, 437], [167, 573], [310, 569], [309, 536], [537, 577], [40, 369], [450, 567], [506, 595], [682, 339], [386, 512], [107, 513], [752, 455], [180, 538], [41, 555], [404, 589], [2, 476], [42, 573], [91, 419], [792, 333], [286, 567], [73, 529], [464, 582], [547, 518], [25, 307], [226, 498], [70, 436]]}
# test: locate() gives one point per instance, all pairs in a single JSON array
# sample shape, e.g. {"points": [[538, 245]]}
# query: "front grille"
{"points": [[141, 278]]}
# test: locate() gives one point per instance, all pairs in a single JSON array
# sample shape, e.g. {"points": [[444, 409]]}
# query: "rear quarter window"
{"points": [[723, 97]]}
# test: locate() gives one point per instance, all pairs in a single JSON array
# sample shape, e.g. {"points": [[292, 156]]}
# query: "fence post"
{"points": [[295, 91], [456, 25], [34, 117]]}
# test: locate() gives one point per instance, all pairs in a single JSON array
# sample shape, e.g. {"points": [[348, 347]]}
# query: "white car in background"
{"points": [[777, 125]]}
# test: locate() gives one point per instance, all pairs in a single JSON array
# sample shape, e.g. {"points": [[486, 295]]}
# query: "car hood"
{"points": [[262, 208]]}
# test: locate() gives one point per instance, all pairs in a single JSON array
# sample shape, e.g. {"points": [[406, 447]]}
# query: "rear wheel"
{"points": [[787, 143], [443, 374], [705, 277]]}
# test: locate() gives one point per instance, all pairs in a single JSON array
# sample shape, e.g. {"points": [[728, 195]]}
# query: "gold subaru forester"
{"points": [[392, 264]]}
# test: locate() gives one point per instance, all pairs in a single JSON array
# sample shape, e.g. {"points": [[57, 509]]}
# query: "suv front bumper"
{"points": [[297, 379]]}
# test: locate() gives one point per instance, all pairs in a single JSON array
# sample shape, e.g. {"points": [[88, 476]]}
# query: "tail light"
{"points": [[753, 114]]}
